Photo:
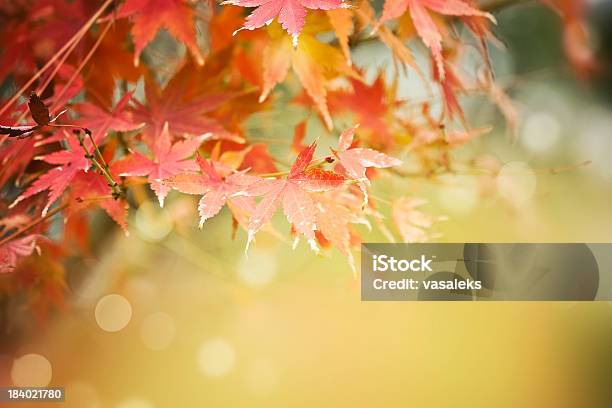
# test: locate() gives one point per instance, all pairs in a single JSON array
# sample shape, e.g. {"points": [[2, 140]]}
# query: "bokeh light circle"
{"points": [[540, 132], [153, 223], [135, 403], [458, 193], [516, 182], [31, 370], [113, 312], [216, 358], [258, 269]]}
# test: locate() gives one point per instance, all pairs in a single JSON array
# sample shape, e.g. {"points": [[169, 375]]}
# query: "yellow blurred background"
{"points": [[173, 316], [177, 317]]}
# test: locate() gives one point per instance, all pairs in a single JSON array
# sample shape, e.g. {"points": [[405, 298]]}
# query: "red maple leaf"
{"points": [[111, 62], [184, 117], [149, 16], [334, 217], [15, 249], [291, 13], [216, 190], [15, 158], [450, 85], [258, 159], [33, 31], [425, 26], [375, 115], [169, 159], [355, 160], [223, 23], [413, 224], [298, 137], [99, 121], [17, 48], [577, 38], [57, 180], [293, 193], [88, 188], [67, 85]]}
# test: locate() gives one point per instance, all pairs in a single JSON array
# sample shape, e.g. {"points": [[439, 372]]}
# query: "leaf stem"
{"points": [[100, 164], [95, 199]]}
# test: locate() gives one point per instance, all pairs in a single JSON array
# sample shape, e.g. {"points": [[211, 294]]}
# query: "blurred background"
{"points": [[174, 316]]}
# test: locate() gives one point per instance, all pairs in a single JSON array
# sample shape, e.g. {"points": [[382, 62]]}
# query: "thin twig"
{"points": [[32, 224], [87, 58], [76, 37], [563, 169], [41, 88]]}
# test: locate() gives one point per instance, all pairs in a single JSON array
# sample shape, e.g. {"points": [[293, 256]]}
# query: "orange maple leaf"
{"points": [[313, 63], [149, 16], [425, 25]]}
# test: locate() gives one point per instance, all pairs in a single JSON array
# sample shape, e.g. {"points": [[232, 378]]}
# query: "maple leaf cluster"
{"points": [[99, 98]]}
